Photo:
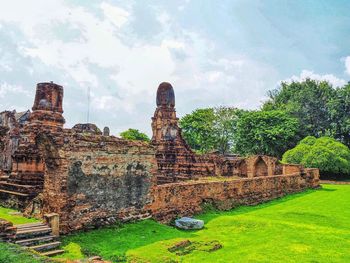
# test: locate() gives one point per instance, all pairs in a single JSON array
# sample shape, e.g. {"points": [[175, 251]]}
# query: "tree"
{"points": [[198, 129], [211, 129], [225, 124], [308, 101], [340, 114], [266, 132], [325, 153], [134, 135]]}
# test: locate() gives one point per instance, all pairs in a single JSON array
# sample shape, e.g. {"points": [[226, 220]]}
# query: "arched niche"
{"points": [[260, 167]]}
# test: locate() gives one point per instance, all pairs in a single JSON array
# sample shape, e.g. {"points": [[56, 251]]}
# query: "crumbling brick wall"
{"points": [[98, 180], [186, 198]]}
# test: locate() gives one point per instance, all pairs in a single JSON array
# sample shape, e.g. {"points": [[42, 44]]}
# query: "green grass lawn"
{"points": [[313, 226], [10, 215], [10, 253]]}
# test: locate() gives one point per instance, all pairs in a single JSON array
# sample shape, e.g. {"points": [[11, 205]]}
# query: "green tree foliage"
{"points": [[198, 129], [210, 129], [340, 114], [325, 153], [135, 135], [309, 101], [266, 132], [225, 125]]}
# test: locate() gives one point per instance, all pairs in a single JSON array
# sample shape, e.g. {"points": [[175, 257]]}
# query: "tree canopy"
{"points": [[265, 132], [293, 111], [135, 135], [211, 129], [325, 153], [321, 109]]}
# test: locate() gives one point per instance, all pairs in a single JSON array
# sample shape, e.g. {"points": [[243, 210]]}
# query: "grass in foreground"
{"points": [[11, 253], [308, 227], [10, 215], [313, 226]]}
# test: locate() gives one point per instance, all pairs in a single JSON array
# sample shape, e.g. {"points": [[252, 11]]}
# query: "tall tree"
{"points": [[134, 135], [225, 124], [211, 129], [198, 129], [340, 114], [309, 101], [266, 132]]}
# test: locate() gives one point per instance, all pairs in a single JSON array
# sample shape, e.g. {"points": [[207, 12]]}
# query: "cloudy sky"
{"points": [[213, 52]]}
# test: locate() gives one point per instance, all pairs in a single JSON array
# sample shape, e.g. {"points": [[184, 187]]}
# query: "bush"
{"points": [[325, 153]]}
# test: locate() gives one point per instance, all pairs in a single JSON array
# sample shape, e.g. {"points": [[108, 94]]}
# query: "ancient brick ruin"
{"points": [[91, 178]]}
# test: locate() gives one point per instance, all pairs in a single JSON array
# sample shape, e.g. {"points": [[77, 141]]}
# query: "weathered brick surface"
{"points": [[98, 180], [7, 230], [186, 198]]}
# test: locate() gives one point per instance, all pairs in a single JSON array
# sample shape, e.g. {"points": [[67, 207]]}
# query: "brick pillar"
{"points": [[53, 220]]}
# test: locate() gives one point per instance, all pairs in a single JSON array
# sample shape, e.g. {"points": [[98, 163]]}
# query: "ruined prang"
{"points": [[92, 179]]}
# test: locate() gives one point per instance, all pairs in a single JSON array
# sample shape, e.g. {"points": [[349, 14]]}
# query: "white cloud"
{"points": [[347, 64], [336, 82], [117, 16], [6, 89], [130, 73]]}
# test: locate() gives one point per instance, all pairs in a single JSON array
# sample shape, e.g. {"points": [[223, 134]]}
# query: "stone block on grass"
{"points": [[188, 223]]}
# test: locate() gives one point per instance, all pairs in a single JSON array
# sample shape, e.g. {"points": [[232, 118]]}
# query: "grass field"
{"points": [[13, 216], [313, 226], [10, 253]]}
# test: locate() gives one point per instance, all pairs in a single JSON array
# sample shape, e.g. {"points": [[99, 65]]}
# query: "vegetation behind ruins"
{"points": [[292, 112], [305, 227], [134, 135]]}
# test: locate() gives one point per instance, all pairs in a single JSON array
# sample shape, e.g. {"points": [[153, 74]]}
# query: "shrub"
{"points": [[325, 153]]}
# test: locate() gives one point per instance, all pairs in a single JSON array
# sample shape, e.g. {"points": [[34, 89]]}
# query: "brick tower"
{"points": [[176, 161]]}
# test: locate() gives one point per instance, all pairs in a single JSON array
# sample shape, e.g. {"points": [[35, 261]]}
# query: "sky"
{"points": [[212, 52]]}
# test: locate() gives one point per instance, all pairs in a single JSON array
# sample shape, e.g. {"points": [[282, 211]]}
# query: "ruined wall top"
{"points": [[165, 95], [48, 97]]}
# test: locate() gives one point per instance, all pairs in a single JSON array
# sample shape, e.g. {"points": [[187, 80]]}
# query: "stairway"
{"points": [[37, 236], [3, 177]]}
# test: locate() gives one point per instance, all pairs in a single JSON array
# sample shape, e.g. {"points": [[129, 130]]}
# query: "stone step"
{"points": [[4, 178], [26, 189], [53, 253], [32, 232], [35, 241], [46, 246], [13, 193], [36, 183], [29, 225]]}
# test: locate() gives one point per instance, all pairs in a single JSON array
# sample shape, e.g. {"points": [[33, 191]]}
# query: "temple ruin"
{"points": [[91, 178]]}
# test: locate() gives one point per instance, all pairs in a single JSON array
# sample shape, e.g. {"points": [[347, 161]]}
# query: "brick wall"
{"points": [[98, 180], [186, 198]]}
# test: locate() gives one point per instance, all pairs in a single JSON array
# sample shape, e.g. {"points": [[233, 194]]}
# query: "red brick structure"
{"points": [[91, 178], [176, 161]]}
